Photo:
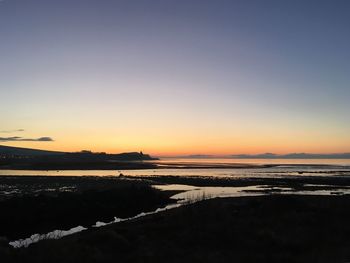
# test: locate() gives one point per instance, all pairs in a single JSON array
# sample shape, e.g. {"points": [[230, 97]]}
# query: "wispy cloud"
{"points": [[11, 131], [21, 139]]}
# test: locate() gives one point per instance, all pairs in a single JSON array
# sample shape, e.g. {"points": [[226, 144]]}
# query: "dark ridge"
{"points": [[24, 158], [19, 151]]}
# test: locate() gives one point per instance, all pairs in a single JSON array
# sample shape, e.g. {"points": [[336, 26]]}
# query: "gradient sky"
{"points": [[176, 77]]}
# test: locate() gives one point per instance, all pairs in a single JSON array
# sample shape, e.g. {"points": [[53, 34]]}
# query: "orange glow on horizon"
{"points": [[189, 147]]}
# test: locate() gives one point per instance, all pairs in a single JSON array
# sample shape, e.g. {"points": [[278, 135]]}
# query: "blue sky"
{"points": [[177, 76]]}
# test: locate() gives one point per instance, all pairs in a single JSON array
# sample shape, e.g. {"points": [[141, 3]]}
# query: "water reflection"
{"points": [[192, 194], [271, 172], [56, 234]]}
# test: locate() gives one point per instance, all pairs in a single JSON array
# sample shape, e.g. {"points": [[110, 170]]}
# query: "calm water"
{"points": [[284, 167], [340, 162]]}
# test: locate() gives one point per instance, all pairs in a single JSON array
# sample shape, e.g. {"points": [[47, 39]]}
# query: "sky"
{"points": [[175, 77]]}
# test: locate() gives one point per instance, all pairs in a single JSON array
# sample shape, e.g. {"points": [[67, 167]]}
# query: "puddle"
{"points": [[118, 220], [193, 194], [56, 234]]}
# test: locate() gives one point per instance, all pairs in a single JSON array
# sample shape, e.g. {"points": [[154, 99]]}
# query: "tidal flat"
{"points": [[262, 223]]}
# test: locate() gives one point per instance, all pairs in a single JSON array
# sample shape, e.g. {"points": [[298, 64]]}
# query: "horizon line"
{"points": [[199, 155]]}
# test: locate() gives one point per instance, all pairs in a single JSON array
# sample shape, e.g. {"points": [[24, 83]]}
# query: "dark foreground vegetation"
{"points": [[251, 229], [44, 204], [272, 228]]}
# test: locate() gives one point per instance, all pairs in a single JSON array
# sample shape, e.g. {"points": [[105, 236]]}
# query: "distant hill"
{"points": [[33, 159], [19, 151], [15, 154], [87, 155], [292, 156]]}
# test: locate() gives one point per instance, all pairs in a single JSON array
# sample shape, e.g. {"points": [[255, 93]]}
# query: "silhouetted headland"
{"points": [[32, 159]]}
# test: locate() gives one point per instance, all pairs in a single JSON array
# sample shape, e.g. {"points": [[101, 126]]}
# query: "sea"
{"points": [[267, 168]]}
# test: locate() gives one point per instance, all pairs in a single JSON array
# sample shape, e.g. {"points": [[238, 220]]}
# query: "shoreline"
{"points": [[157, 165]]}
